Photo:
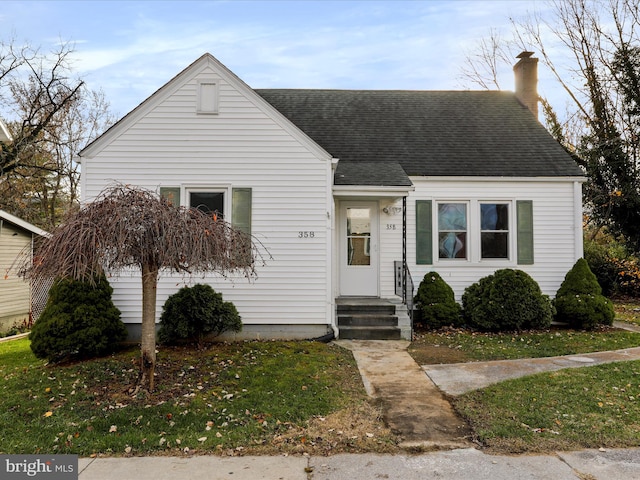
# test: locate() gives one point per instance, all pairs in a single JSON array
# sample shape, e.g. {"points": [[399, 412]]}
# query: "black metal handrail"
{"points": [[404, 285]]}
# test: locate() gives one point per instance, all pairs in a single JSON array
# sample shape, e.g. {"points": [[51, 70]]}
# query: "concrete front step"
{"points": [[367, 319], [369, 332], [370, 319], [377, 309]]}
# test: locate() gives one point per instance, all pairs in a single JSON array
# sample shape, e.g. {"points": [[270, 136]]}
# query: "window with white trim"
{"points": [[474, 231], [452, 230], [212, 200], [208, 201], [494, 230]]}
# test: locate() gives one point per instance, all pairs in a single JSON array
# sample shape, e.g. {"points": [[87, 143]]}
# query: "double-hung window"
{"points": [[452, 230], [494, 230]]}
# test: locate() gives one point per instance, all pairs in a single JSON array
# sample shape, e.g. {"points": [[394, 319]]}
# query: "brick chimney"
{"points": [[526, 76]]}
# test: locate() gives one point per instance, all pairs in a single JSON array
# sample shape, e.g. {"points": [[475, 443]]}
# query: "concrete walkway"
{"points": [[412, 405], [459, 378]]}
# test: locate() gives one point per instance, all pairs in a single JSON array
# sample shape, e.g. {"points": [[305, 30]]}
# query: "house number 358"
{"points": [[306, 234]]}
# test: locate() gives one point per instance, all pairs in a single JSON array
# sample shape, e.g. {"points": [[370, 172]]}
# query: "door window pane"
{"points": [[358, 236]]}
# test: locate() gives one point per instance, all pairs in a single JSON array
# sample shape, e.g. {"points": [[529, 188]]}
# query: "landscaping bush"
{"points": [[193, 313], [602, 265], [579, 300], [505, 301], [616, 268], [436, 302], [79, 320]]}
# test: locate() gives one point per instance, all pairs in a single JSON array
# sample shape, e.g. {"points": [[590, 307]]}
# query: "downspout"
{"points": [[404, 251], [578, 233], [331, 241]]}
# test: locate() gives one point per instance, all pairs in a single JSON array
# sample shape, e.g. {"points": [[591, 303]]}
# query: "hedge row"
{"points": [[510, 300]]}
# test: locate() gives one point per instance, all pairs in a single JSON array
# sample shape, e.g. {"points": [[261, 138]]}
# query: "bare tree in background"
{"points": [[592, 48], [51, 115], [132, 228], [47, 80]]}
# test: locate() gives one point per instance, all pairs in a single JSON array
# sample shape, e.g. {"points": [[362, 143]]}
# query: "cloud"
{"points": [[132, 51]]}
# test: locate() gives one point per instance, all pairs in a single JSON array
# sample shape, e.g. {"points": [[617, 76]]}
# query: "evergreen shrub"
{"points": [[508, 300], [436, 303], [79, 321], [579, 300], [193, 313]]}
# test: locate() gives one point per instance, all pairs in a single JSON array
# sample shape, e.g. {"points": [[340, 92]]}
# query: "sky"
{"points": [[129, 49]]}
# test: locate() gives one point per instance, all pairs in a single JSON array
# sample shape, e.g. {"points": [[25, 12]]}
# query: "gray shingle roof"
{"points": [[434, 133], [384, 174]]}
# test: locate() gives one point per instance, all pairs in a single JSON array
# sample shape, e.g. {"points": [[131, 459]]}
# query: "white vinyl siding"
{"points": [[167, 144], [390, 244], [554, 213]]}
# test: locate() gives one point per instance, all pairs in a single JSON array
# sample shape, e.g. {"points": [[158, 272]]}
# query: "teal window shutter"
{"points": [[424, 236], [241, 209], [171, 194], [524, 211]]}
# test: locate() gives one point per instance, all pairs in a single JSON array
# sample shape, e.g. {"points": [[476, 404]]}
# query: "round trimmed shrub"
{"points": [[508, 300], [79, 320], [436, 302], [193, 313], [579, 300]]}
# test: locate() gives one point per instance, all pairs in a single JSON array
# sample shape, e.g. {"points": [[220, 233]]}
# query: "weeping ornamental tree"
{"points": [[131, 228]]}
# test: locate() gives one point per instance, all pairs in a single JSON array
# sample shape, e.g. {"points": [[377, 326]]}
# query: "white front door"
{"points": [[359, 249]]}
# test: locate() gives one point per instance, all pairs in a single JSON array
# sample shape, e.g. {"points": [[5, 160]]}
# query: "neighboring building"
{"points": [[20, 301], [345, 187], [5, 136]]}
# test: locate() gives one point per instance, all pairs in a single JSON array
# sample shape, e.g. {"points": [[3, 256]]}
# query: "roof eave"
{"points": [[23, 224], [372, 190]]}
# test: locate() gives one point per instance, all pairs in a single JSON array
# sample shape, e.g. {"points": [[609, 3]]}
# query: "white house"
{"points": [[350, 192]]}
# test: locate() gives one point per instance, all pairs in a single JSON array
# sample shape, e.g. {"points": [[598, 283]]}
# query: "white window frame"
{"points": [[474, 233], [510, 232], [225, 189], [436, 230]]}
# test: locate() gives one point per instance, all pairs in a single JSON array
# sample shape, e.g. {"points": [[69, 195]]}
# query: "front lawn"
{"points": [[627, 310], [591, 407], [239, 398]]}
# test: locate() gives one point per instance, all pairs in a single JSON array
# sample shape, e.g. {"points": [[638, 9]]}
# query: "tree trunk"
{"points": [[148, 334]]}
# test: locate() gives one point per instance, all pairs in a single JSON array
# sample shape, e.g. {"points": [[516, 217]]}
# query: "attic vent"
{"points": [[207, 97]]}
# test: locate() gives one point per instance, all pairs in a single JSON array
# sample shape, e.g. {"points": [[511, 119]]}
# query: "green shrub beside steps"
{"points": [[436, 303]]}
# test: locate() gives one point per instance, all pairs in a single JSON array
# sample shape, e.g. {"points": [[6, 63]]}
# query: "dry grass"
{"points": [[356, 428]]}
